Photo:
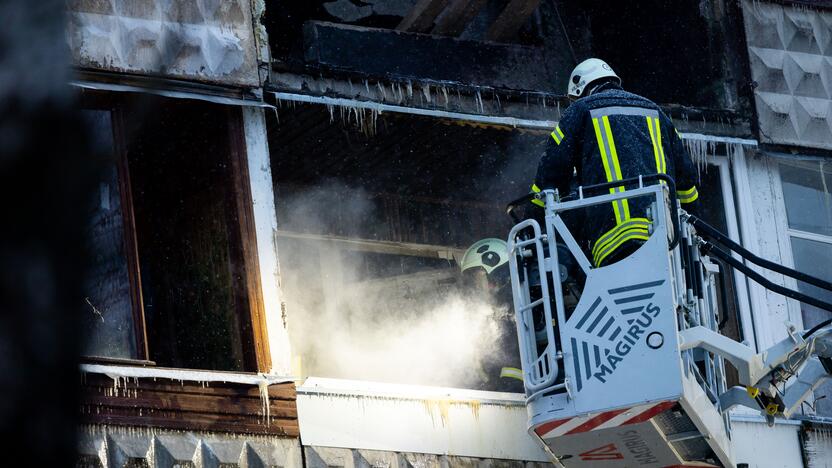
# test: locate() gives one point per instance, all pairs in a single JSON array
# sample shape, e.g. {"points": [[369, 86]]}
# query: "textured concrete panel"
{"points": [[790, 51], [116, 446], [328, 457], [203, 40]]}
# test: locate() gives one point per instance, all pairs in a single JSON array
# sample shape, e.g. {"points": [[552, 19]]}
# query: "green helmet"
{"points": [[485, 253]]}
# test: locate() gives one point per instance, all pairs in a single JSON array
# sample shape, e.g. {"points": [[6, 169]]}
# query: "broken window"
{"points": [[181, 209], [808, 200], [374, 215]]}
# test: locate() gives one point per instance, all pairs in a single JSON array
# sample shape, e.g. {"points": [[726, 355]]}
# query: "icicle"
{"points": [[410, 90], [445, 93], [263, 385], [367, 86], [426, 92]]}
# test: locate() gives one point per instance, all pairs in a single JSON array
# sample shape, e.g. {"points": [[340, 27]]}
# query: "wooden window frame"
{"points": [[248, 293], [106, 102], [254, 330]]}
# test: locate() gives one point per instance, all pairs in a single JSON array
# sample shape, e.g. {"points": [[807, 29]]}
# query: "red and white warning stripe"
{"points": [[594, 422]]}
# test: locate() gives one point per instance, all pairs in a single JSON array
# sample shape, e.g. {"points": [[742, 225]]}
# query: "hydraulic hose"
{"points": [[798, 296], [712, 233], [817, 327]]}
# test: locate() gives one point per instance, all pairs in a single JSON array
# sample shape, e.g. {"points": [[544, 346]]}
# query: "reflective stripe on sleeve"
{"points": [[511, 373], [557, 135], [537, 202], [688, 196]]}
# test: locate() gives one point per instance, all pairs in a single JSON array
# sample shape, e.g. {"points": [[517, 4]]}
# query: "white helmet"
{"points": [[487, 254], [585, 73]]}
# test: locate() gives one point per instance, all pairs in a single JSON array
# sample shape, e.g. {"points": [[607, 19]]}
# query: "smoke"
{"points": [[378, 316]]}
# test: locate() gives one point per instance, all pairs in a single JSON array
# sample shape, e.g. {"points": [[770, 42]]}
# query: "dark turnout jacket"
{"points": [[607, 136]]}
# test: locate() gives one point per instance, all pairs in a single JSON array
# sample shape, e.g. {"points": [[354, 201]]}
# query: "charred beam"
{"points": [[457, 16], [385, 247], [422, 16], [511, 19], [404, 56]]}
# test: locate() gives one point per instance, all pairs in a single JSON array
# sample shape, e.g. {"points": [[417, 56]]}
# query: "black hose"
{"points": [[764, 282], [712, 233], [817, 327]]}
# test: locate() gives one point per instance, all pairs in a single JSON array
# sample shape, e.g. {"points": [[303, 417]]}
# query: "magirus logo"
{"points": [[615, 325]]}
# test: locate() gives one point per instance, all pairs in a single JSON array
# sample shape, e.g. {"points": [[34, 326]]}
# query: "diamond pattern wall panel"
{"points": [[203, 40], [120, 447], [329, 457], [790, 50]]}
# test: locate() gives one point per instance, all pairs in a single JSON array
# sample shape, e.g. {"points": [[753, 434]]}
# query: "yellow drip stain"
{"points": [[442, 408]]}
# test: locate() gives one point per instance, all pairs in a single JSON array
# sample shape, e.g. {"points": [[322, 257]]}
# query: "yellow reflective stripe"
{"points": [[601, 147], [511, 373], [630, 235], [537, 202], [688, 196], [602, 241], [607, 170], [661, 148], [655, 147], [557, 135], [614, 158], [601, 248]]}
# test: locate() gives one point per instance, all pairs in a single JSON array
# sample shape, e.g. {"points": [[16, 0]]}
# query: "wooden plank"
{"points": [[225, 407], [422, 16], [457, 16], [511, 20], [288, 428], [284, 391], [194, 404]]}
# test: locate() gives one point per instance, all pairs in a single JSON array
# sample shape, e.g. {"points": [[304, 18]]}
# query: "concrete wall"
{"points": [[200, 40], [790, 51]]}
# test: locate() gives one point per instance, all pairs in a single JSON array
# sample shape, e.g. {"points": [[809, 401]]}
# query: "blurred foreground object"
{"points": [[44, 182]]}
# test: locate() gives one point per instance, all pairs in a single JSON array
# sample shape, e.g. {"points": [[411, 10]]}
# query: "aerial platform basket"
{"points": [[606, 382]]}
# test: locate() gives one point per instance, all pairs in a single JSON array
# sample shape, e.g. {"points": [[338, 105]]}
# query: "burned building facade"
{"points": [[292, 186]]}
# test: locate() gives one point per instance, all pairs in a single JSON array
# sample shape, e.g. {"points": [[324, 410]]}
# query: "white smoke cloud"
{"points": [[414, 324]]}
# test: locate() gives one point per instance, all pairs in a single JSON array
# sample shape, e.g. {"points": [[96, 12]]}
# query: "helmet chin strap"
{"points": [[592, 90]]}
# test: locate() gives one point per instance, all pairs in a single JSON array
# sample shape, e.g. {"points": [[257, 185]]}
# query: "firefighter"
{"points": [[609, 134], [489, 257]]}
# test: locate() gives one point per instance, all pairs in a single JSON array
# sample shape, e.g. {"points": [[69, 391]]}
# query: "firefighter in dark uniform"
{"points": [[609, 134]]}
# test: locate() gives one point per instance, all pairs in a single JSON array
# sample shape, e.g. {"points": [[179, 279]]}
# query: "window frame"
{"points": [[726, 167], [249, 298], [106, 102]]}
